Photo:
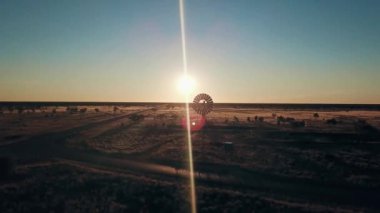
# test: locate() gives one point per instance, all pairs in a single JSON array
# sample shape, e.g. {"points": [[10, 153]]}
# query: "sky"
{"points": [[248, 51]]}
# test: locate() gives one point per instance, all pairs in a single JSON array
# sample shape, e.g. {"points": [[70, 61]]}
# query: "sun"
{"points": [[186, 84]]}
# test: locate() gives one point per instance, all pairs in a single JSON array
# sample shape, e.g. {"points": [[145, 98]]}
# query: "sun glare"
{"points": [[186, 84]]}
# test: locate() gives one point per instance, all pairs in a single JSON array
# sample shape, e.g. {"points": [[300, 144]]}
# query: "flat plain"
{"points": [[128, 158]]}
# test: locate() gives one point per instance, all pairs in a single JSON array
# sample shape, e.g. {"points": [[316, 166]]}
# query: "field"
{"points": [[133, 158]]}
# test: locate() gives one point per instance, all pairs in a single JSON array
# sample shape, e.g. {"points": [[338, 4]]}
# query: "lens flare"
{"points": [[189, 144], [197, 122]]}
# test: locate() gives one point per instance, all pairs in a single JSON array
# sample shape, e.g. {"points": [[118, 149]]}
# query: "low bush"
{"points": [[6, 167]]}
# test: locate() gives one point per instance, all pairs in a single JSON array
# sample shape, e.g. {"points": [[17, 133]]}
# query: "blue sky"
{"points": [[238, 51]]}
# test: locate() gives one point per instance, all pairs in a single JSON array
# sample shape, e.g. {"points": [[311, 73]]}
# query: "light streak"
{"points": [[188, 127]]}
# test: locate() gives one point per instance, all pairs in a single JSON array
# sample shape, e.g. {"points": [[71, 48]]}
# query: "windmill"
{"points": [[202, 105]]}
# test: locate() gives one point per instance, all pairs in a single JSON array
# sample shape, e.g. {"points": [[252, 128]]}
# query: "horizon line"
{"points": [[173, 102]]}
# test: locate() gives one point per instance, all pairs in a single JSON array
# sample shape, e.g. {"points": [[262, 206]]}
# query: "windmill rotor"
{"points": [[202, 104]]}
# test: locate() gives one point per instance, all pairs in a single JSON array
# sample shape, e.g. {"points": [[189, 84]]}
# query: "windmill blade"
{"points": [[202, 104]]}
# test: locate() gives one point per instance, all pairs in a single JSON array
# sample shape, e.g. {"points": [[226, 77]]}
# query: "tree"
{"points": [[316, 115], [115, 108]]}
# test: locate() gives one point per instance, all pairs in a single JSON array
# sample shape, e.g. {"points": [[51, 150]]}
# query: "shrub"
{"points": [[136, 117], [20, 110], [298, 123], [10, 109], [280, 119], [289, 119], [72, 109], [361, 122], [331, 121], [6, 167]]}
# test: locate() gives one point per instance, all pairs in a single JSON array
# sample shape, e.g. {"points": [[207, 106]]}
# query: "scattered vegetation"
{"points": [[291, 121], [361, 124], [20, 110], [72, 110], [63, 188], [332, 121], [136, 117], [170, 106], [298, 123], [236, 119], [10, 109], [7, 165], [284, 157], [261, 119]]}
